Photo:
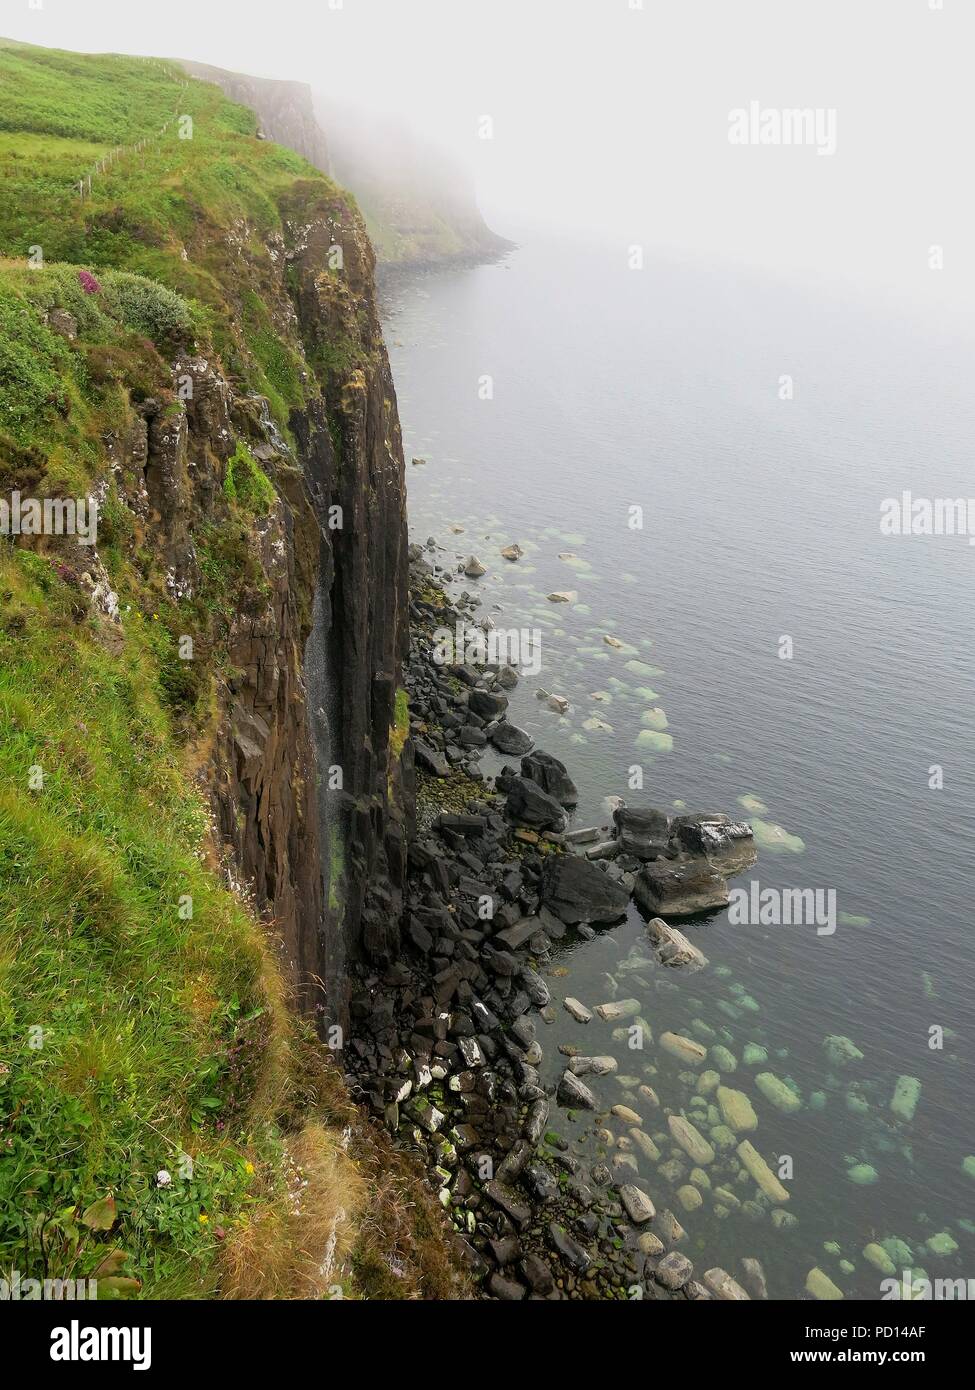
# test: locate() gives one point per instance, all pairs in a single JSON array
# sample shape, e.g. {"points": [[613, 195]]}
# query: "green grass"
{"points": [[132, 1006], [246, 484], [192, 214]]}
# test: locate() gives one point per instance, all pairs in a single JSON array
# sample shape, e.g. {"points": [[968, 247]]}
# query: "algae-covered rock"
{"points": [[624, 1113], [777, 1093], [877, 1256], [821, 1286], [646, 1145], [691, 1140], [841, 1051], [898, 1250], [724, 1060], [684, 1049], [907, 1093], [863, 1174], [737, 1110], [753, 1055], [761, 1173], [856, 1103], [941, 1244], [774, 837], [722, 1137]]}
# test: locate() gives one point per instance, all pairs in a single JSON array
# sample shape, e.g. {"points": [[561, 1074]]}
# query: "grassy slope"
{"points": [[133, 1031]]}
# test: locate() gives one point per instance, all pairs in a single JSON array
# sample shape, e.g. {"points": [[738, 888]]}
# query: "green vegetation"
{"points": [[247, 484], [134, 1017], [401, 723], [192, 214], [158, 1098]]}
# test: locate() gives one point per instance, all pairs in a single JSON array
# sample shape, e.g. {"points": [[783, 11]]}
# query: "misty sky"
{"points": [[612, 122]]}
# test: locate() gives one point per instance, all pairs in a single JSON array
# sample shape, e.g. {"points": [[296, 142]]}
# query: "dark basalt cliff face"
{"points": [[308, 773], [306, 770]]}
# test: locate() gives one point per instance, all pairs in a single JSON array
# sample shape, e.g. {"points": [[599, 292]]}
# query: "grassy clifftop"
{"points": [[174, 171], [166, 1123]]}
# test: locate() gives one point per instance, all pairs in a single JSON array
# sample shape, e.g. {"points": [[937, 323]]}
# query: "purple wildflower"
{"points": [[88, 282]]}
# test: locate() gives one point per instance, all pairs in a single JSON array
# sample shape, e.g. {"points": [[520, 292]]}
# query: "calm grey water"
{"points": [[660, 389]]}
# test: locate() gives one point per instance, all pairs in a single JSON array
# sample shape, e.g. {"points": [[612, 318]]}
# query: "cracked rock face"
{"points": [[314, 650]]}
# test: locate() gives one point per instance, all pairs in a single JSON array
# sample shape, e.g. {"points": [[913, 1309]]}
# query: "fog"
{"points": [[610, 120]]}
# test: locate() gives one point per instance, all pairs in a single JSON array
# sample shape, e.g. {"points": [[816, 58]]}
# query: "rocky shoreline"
{"points": [[445, 1046]]}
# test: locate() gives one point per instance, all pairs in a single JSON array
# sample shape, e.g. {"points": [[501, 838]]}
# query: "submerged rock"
{"points": [[777, 1093], [775, 838], [737, 1110], [877, 1256], [616, 1009], [841, 1051], [690, 1139], [595, 1066], [684, 1049], [673, 946], [761, 1173], [646, 1145], [578, 1011], [821, 1286], [907, 1093], [755, 1277]]}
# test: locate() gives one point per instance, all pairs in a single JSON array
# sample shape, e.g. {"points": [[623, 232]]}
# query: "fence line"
{"points": [[82, 186]]}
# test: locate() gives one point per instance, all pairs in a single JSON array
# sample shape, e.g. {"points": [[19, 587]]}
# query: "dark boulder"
{"points": [[680, 887], [728, 844], [644, 833], [430, 759], [551, 775], [509, 739], [489, 704], [577, 891], [529, 804]]}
